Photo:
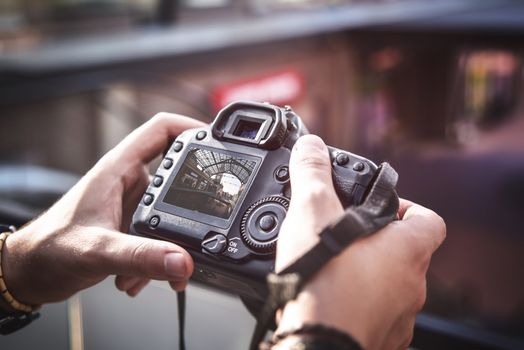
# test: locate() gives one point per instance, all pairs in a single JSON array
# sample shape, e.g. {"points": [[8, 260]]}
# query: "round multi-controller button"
{"points": [[178, 146], [261, 223], [201, 135], [342, 159], [148, 199], [167, 163], [267, 222], [154, 221]]}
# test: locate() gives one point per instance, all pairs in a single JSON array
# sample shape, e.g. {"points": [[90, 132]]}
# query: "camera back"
{"points": [[222, 192]]}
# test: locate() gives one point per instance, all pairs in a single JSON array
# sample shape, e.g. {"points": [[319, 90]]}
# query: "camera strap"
{"points": [[181, 301], [378, 209]]}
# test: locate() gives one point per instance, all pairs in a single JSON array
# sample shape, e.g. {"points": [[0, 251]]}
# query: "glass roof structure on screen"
{"points": [[213, 163]]}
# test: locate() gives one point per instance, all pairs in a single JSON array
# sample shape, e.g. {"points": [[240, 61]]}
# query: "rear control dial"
{"points": [[261, 223]]}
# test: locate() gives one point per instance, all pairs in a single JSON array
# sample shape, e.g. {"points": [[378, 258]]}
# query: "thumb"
{"points": [[314, 203], [310, 172], [128, 255]]}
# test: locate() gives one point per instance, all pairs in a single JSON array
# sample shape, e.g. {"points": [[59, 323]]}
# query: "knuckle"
{"points": [[406, 332], [420, 299], [314, 161], [434, 225], [164, 117], [119, 283], [160, 119], [438, 226], [441, 227], [89, 248], [160, 116], [139, 255], [317, 191], [87, 251]]}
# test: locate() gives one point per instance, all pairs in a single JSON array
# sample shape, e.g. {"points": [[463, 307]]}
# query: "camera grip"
{"points": [[352, 176]]}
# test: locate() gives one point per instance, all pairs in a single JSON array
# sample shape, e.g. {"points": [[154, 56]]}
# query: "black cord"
{"points": [[181, 298]]}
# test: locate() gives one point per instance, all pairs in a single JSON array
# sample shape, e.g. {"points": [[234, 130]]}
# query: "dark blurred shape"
{"points": [[166, 12], [27, 191], [451, 118]]}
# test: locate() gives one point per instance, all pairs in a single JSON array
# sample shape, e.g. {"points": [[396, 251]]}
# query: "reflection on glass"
{"points": [[210, 182]]}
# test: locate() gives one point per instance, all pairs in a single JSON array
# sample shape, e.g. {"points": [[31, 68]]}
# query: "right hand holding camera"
{"points": [[375, 287]]}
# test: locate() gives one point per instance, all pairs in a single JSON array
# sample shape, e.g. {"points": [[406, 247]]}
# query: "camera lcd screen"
{"points": [[247, 129], [210, 182]]}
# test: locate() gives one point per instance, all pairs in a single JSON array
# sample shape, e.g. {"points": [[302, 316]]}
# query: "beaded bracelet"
{"points": [[6, 295]]}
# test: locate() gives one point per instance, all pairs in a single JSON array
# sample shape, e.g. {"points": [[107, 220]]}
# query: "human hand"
{"points": [[78, 242], [375, 287]]}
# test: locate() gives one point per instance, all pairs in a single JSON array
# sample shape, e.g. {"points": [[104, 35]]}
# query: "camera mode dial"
{"points": [[261, 223]]}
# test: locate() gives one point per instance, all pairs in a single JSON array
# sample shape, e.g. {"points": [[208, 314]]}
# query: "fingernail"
{"points": [[175, 265], [310, 143]]}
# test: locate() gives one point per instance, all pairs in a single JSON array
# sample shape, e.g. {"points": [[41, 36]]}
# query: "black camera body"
{"points": [[222, 192]]}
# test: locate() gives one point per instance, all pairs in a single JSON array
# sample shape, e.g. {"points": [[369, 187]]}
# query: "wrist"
{"points": [[312, 337], [311, 308], [15, 281]]}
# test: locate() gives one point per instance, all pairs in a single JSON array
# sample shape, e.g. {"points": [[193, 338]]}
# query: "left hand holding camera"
{"points": [[78, 242]]}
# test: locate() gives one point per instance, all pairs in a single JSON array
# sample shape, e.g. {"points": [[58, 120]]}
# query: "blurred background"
{"points": [[434, 87]]}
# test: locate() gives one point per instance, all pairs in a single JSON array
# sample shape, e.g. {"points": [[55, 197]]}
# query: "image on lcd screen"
{"points": [[210, 182]]}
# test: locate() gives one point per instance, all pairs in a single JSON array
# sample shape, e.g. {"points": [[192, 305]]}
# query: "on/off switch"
{"points": [[216, 244]]}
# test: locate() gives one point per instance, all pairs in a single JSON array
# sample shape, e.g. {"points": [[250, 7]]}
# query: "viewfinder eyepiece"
{"points": [[250, 123], [247, 129]]}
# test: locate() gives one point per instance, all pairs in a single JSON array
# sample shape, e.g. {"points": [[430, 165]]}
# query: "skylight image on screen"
{"points": [[210, 182]]}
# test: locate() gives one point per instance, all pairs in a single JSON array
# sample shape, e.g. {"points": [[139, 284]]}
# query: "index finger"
{"points": [[427, 224], [150, 139], [404, 205]]}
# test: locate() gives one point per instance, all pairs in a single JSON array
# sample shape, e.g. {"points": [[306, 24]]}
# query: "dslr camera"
{"points": [[222, 192]]}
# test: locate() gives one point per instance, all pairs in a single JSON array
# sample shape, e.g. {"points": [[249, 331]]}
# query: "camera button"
{"points": [[267, 222], [282, 173], [359, 166], [148, 199], [177, 147], [154, 221], [215, 245], [342, 159], [201, 135], [158, 180], [167, 163]]}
